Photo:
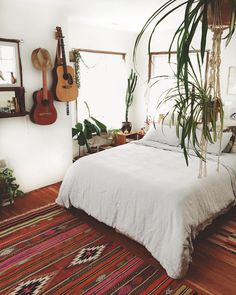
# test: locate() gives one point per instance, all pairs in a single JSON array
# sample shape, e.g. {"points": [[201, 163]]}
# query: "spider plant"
{"points": [[194, 112], [198, 14]]}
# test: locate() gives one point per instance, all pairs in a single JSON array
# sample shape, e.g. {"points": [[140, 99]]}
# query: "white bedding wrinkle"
{"points": [[149, 194]]}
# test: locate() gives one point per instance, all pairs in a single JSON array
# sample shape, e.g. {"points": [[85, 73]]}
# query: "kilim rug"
{"points": [[49, 251], [225, 235]]}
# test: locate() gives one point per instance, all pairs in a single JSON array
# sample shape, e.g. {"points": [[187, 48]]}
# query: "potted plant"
{"points": [[132, 81], [8, 188], [218, 16], [83, 132]]}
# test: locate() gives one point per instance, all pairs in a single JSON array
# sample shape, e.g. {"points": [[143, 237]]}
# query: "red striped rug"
{"points": [[49, 251], [225, 235]]}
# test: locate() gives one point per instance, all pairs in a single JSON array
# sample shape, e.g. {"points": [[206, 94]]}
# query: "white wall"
{"points": [[38, 154]]}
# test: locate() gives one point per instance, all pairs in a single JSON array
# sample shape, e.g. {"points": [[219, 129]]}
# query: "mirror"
{"points": [[12, 99], [7, 101], [10, 63]]}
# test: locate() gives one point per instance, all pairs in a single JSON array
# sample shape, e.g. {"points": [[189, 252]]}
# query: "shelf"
{"points": [[6, 115]]}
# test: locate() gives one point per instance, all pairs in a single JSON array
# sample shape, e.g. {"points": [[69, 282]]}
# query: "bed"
{"points": [[145, 191]]}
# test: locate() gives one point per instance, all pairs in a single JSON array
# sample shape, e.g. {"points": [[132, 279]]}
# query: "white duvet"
{"points": [[146, 191]]}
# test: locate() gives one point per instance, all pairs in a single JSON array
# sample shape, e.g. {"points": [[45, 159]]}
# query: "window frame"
{"points": [[122, 54]]}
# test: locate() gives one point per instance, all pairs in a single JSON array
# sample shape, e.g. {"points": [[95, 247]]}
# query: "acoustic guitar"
{"points": [[64, 83], [43, 111]]}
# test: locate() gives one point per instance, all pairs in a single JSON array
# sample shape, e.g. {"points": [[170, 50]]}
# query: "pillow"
{"points": [[230, 145], [213, 148], [233, 148], [162, 133]]}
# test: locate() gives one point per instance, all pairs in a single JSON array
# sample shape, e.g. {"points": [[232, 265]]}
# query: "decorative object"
{"points": [[132, 81], [232, 81], [63, 254], [216, 15], [65, 88], [8, 188], [43, 111], [10, 63], [122, 138], [86, 130]]}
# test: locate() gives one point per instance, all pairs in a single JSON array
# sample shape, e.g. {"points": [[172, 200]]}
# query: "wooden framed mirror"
{"points": [[12, 102], [12, 99]]}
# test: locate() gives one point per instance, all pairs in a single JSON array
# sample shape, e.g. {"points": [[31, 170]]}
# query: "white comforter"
{"points": [[146, 192]]}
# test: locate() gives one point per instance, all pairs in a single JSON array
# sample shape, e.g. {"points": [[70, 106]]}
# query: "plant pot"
{"points": [[224, 18], [6, 200], [126, 127], [213, 111]]}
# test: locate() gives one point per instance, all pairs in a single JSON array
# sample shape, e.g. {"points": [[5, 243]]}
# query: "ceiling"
{"points": [[121, 14], [129, 15], [117, 14]]}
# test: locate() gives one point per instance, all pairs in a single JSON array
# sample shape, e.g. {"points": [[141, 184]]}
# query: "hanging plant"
{"points": [[77, 58], [218, 16]]}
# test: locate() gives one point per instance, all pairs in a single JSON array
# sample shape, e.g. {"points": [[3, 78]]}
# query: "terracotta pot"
{"points": [[126, 127], [222, 19]]}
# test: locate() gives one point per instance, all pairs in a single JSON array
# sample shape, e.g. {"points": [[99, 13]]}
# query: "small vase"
{"points": [[126, 127]]}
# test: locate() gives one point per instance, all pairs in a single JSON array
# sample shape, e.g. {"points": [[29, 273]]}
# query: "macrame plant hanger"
{"points": [[213, 89]]}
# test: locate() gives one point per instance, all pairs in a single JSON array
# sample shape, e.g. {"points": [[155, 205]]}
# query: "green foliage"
{"points": [[193, 103], [188, 111], [8, 187], [82, 132], [132, 81], [195, 17]]}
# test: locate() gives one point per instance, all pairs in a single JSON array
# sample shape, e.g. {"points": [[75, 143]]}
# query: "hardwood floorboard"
{"points": [[212, 272]]}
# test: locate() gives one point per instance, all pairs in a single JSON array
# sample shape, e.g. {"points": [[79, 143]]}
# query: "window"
{"points": [[103, 79], [159, 66]]}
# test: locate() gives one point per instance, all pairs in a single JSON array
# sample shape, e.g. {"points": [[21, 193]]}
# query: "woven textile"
{"points": [[50, 251]]}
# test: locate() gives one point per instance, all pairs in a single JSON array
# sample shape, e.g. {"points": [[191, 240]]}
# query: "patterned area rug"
{"points": [[49, 251], [225, 236]]}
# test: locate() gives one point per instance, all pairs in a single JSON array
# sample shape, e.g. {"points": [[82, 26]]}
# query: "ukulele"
{"points": [[64, 83], [43, 111]]}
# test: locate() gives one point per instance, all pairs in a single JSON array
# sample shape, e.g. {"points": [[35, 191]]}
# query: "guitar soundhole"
{"points": [[65, 76], [45, 102], [68, 77]]}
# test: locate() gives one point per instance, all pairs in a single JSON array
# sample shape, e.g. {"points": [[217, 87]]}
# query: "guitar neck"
{"points": [[63, 56], [45, 84]]}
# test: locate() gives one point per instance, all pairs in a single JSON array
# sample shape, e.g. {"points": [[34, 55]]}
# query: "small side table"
{"points": [[122, 138]]}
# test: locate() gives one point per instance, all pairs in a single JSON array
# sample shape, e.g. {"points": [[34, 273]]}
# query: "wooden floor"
{"points": [[213, 270]]}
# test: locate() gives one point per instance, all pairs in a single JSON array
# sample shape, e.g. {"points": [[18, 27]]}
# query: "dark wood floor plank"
{"points": [[213, 271]]}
